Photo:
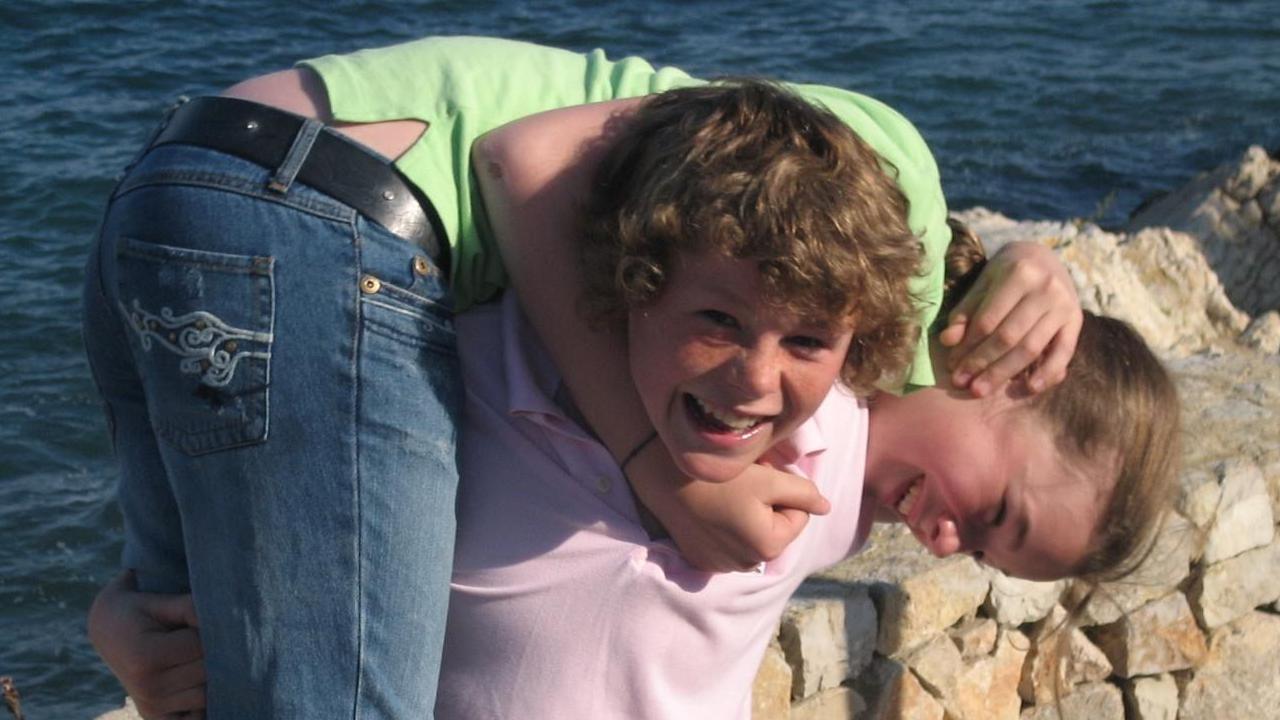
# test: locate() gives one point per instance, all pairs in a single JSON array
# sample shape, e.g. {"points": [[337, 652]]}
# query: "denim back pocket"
{"points": [[200, 324]]}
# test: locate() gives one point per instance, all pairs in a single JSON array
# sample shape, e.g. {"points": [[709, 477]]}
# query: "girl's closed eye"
{"points": [[1001, 514]]}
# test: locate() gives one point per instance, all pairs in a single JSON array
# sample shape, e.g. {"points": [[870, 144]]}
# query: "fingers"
{"points": [[171, 610], [792, 492], [1052, 368], [1008, 349], [1023, 312], [178, 705], [959, 318], [173, 694], [788, 523], [169, 649], [999, 320]]}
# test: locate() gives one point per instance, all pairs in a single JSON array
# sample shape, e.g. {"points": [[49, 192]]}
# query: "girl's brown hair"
{"points": [[749, 170], [1117, 400]]}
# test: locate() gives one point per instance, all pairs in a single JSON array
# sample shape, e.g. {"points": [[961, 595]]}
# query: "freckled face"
{"points": [[983, 475], [723, 375]]}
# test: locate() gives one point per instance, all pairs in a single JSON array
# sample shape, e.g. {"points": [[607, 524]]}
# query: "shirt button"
{"points": [[421, 266], [603, 484], [370, 285]]}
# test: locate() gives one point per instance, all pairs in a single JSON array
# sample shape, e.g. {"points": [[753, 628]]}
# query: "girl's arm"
{"points": [[534, 174]]}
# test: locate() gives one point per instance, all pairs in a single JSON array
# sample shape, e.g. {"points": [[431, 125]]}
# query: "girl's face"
{"points": [[983, 476], [723, 375]]}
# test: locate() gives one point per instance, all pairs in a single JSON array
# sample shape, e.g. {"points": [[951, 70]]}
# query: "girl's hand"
{"points": [[726, 526], [152, 644], [1022, 314]]}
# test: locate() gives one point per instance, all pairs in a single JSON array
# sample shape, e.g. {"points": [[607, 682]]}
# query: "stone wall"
{"points": [[1195, 633]]}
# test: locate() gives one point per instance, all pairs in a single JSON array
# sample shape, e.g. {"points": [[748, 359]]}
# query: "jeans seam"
{"points": [[358, 490], [239, 186]]}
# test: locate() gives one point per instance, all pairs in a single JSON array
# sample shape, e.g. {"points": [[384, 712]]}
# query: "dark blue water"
{"points": [[1035, 108]]}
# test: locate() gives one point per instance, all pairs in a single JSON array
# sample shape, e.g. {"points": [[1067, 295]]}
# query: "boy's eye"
{"points": [[719, 319], [807, 342]]}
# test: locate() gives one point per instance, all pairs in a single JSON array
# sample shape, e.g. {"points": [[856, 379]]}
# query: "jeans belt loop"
{"points": [[297, 155]]}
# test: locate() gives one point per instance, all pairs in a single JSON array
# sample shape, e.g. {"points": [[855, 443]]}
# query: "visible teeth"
{"points": [[908, 501], [729, 418]]}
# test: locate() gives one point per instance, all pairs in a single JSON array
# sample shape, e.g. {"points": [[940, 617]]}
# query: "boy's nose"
{"points": [[757, 370]]}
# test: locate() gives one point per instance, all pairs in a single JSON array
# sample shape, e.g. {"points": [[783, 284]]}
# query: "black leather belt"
{"points": [[335, 166]]}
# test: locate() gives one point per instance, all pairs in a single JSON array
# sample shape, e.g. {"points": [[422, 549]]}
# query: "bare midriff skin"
{"points": [[301, 92]]}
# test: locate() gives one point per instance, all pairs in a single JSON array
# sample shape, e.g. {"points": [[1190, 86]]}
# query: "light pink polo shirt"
{"points": [[562, 607]]}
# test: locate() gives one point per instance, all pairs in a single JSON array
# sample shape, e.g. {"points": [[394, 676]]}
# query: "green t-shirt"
{"points": [[462, 87]]}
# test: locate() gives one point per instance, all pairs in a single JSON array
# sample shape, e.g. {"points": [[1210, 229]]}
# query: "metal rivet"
{"points": [[173, 337], [230, 346], [421, 266], [251, 125], [370, 284], [200, 325], [388, 195]]}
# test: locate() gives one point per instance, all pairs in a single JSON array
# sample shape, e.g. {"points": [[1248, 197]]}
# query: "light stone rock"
{"points": [[840, 703], [1263, 333], [1253, 174], [771, 691], [1095, 701], [1271, 471], [1240, 677], [1232, 588], [1229, 212], [1229, 409], [1160, 636], [892, 692], [937, 664], [988, 688], [1198, 499], [128, 712], [975, 638], [1076, 661], [1158, 281], [978, 689], [1168, 564], [1152, 698], [1014, 601], [916, 595], [1244, 519], [828, 636]]}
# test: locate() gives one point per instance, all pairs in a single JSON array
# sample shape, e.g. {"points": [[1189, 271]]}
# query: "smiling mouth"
{"points": [[722, 422], [908, 500]]}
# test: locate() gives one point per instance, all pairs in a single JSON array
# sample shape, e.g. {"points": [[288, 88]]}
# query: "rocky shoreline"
{"points": [[894, 634]]}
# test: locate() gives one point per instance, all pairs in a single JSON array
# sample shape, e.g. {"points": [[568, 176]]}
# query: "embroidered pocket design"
{"points": [[202, 333], [207, 346]]}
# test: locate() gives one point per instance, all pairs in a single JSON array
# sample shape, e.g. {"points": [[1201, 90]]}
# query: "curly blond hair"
{"points": [[749, 170]]}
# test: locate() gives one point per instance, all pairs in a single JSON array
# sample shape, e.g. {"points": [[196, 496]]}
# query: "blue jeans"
{"points": [[281, 384]]}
